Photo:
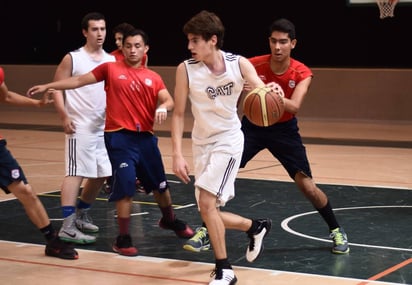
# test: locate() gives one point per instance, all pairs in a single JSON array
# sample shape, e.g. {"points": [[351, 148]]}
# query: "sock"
{"points": [[48, 232], [329, 217], [123, 225], [68, 210], [223, 264], [167, 213], [253, 227], [83, 205]]}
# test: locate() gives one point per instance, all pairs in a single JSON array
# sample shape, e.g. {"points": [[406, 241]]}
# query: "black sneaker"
{"points": [[58, 248], [256, 239], [181, 228], [123, 246]]}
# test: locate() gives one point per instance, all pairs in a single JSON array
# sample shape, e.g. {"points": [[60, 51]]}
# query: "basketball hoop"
{"points": [[386, 8]]}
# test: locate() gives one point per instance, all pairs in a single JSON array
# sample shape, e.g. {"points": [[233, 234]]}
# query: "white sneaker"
{"points": [[69, 232], [224, 277], [84, 222], [256, 239]]}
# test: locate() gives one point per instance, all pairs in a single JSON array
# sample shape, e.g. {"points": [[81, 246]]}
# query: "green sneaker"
{"points": [[199, 242], [340, 241]]}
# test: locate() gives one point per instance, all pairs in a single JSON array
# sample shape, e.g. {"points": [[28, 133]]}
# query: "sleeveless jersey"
{"points": [[86, 105], [214, 99], [132, 96], [295, 73]]}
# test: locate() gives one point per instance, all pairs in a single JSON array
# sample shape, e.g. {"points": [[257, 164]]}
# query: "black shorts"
{"points": [[282, 140], [10, 170]]}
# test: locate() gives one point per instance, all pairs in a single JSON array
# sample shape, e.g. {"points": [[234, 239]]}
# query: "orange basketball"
{"points": [[263, 106]]}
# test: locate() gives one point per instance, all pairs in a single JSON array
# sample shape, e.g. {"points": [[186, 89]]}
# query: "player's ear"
{"points": [[293, 43]]}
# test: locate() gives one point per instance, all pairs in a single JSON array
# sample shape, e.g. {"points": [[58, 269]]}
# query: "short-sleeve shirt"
{"points": [[296, 72], [131, 95]]}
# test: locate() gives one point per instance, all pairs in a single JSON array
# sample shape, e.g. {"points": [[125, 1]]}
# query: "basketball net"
{"points": [[386, 8]]}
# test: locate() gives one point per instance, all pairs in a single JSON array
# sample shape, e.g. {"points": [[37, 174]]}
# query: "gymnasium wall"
{"points": [[335, 94], [330, 33]]}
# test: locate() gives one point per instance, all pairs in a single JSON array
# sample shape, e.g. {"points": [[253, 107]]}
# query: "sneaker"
{"points": [[139, 186], [69, 232], [84, 222], [123, 246], [60, 249], [181, 228], [340, 241], [106, 189], [223, 277], [256, 239], [199, 242]]}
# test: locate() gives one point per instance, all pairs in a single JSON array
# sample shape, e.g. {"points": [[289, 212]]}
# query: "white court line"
{"points": [[285, 226], [185, 206], [159, 260]]}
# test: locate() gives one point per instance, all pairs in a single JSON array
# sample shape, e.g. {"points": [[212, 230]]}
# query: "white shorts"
{"points": [[86, 156], [216, 167]]}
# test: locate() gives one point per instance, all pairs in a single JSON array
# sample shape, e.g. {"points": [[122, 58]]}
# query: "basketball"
{"points": [[263, 106]]}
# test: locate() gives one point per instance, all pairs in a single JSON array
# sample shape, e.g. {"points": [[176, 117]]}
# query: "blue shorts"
{"points": [[134, 154], [282, 140], [10, 170]]}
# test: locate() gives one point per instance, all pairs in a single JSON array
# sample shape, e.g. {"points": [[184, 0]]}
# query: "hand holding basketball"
{"points": [[264, 106]]}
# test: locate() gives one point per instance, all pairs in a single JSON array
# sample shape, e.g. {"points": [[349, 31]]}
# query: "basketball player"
{"points": [[136, 98], [13, 180], [82, 113], [118, 32], [283, 139], [213, 81]]}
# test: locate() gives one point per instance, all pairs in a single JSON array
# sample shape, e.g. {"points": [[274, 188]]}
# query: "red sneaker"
{"points": [[123, 246], [181, 228]]}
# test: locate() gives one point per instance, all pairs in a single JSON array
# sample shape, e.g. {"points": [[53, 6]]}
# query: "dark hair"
{"points": [[285, 26], [136, 32], [206, 24], [122, 28], [93, 16]]}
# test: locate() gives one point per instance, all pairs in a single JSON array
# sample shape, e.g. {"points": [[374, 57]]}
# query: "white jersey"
{"points": [[214, 99], [86, 105]]}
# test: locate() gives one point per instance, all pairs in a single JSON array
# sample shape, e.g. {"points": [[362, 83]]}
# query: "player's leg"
{"points": [[77, 158], [151, 172], [13, 180]]}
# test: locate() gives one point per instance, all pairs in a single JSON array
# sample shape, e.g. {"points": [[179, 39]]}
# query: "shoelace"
{"points": [[252, 242], [337, 237], [217, 273], [201, 234], [252, 238], [85, 217]]}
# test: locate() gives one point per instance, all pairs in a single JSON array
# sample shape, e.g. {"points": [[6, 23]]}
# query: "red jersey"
{"points": [[1, 75], [131, 95], [118, 54], [295, 73]]}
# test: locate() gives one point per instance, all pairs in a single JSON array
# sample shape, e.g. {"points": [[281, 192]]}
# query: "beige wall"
{"points": [[336, 94]]}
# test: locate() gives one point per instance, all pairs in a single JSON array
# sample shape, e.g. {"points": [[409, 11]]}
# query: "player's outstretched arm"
{"points": [[10, 97]]}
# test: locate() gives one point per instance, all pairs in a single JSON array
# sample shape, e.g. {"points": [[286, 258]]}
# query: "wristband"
{"points": [[161, 110]]}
